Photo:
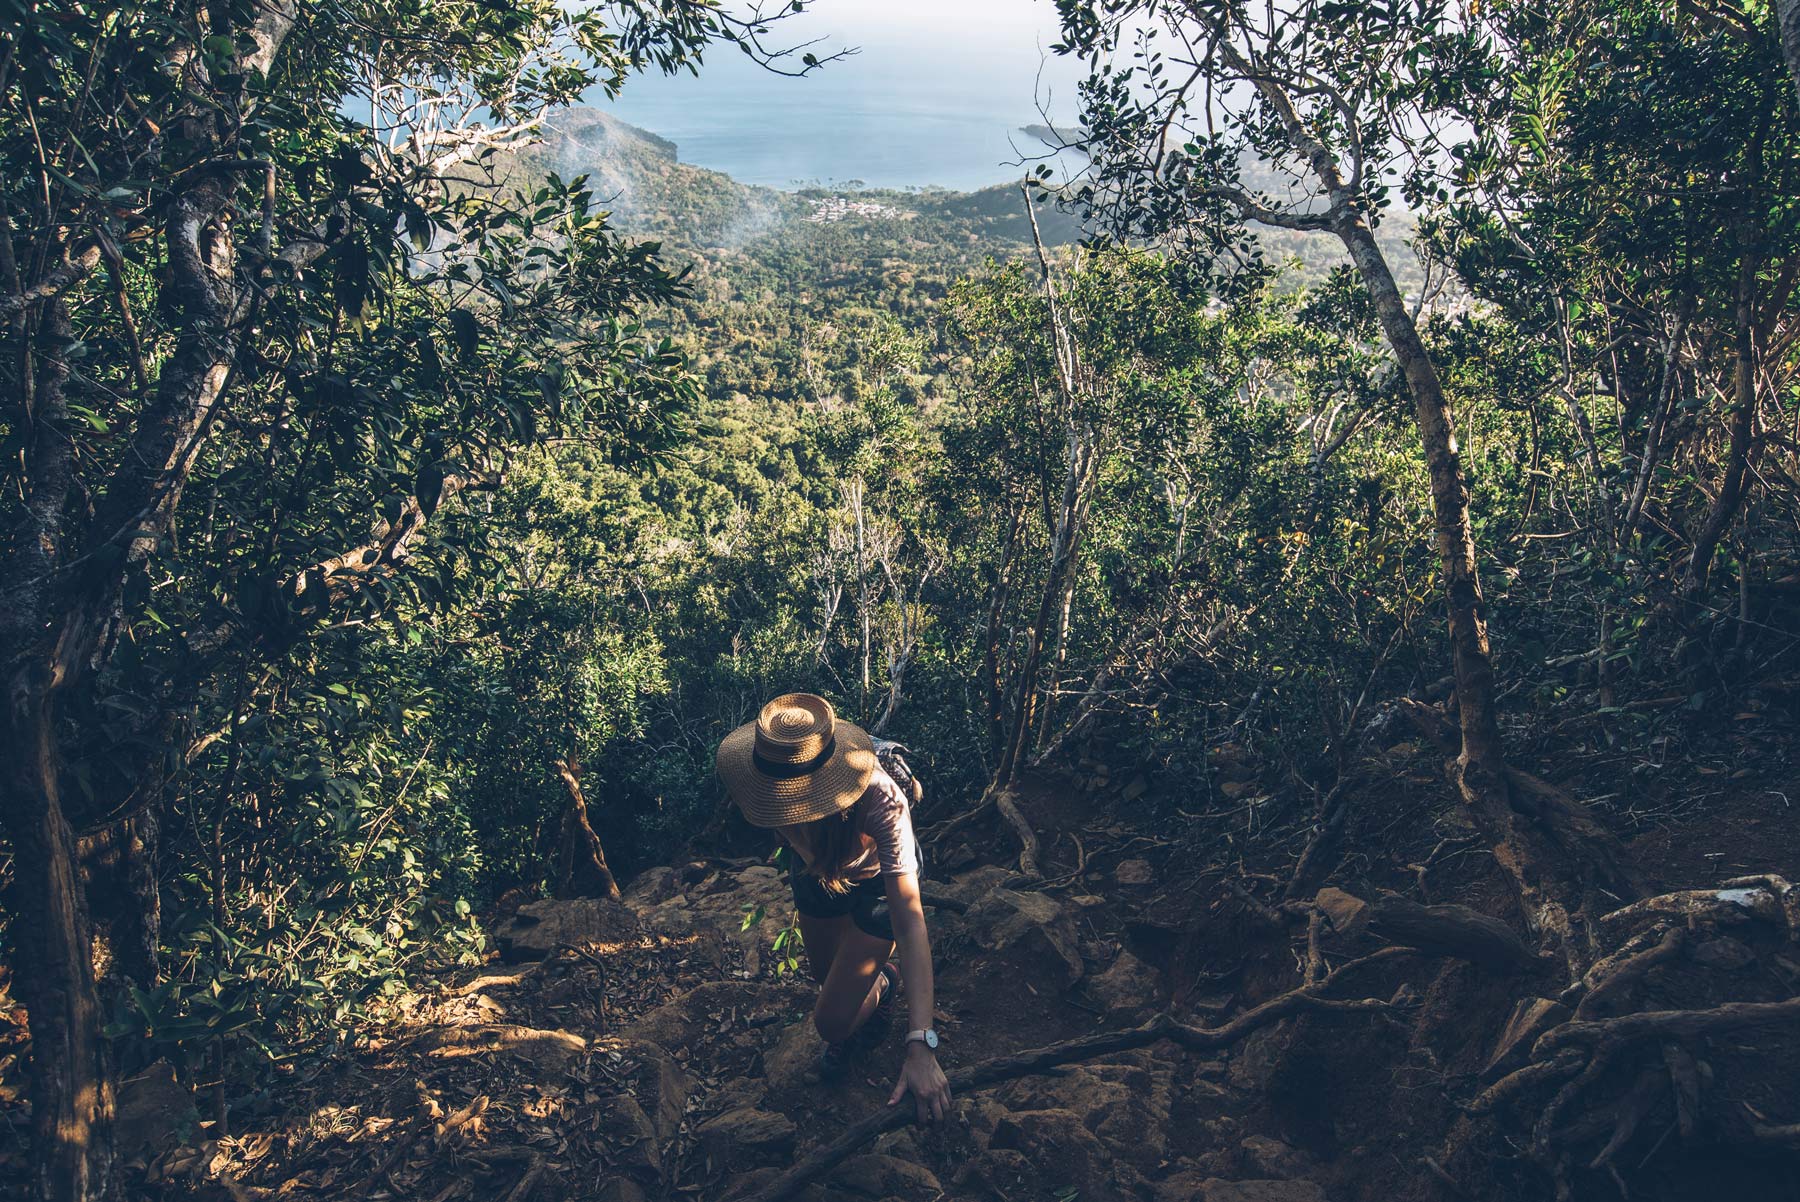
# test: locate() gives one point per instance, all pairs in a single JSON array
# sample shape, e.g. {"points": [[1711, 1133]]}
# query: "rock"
{"points": [[716, 907], [1134, 788], [902, 1144], [618, 1189], [876, 1176], [1128, 987], [1254, 1061], [658, 1084], [679, 1022], [539, 928], [793, 1063], [1272, 1158], [651, 886], [1347, 913], [1134, 872], [1724, 952], [1234, 789], [630, 1136], [971, 885], [1033, 922], [1191, 1185], [1531, 1017], [747, 1183], [1215, 1190], [1124, 1100], [155, 1112], [746, 1135], [996, 1173], [1061, 1150]]}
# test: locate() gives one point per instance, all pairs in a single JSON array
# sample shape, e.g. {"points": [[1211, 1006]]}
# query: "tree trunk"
{"points": [[996, 687], [581, 869], [1564, 867], [71, 1079], [1483, 763], [1743, 432], [118, 869]]}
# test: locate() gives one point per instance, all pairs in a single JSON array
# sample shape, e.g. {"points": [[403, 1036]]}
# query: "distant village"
{"points": [[827, 209]]}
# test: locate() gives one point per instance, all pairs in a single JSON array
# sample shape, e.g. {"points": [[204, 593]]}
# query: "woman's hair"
{"points": [[827, 845]]}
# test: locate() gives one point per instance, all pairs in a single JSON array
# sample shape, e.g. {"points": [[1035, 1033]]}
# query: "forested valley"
{"points": [[1327, 536]]}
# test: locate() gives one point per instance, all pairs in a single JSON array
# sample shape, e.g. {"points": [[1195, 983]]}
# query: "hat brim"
{"points": [[832, 787]]}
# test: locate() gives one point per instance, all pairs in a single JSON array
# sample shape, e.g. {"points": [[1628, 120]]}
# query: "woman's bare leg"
{"points": [[847, 996], [822, 936]]}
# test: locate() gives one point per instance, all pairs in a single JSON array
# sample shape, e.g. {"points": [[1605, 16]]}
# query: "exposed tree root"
{"points": [[1028, 840], [1601, 1046], [1039, 1060], [1455, 931]]}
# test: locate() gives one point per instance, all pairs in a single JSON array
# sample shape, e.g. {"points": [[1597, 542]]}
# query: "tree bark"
{"points": [[71, 1079], [1559, 882], [1743, 433], [118, 868], [581, 868]]}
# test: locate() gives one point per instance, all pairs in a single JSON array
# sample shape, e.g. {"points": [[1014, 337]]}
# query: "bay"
{"points": [[936, 95]]}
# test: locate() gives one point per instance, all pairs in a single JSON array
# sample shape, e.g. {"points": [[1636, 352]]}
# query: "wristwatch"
{"points": [[928, 1037]]}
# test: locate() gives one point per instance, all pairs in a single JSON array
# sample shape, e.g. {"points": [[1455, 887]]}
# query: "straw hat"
{"points": [[798, 761]]}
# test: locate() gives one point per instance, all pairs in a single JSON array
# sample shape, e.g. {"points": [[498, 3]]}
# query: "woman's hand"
{"points": [[921, 1077]]}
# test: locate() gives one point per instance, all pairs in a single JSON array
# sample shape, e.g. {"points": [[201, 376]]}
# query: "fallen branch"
{"points": [[1038, 1060]]}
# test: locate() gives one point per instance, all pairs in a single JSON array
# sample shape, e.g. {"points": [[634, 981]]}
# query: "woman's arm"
{"points": [[920, 1075]]}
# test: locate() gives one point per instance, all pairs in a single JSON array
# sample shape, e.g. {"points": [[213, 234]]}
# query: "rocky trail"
{"points": [[1122, 1029]]}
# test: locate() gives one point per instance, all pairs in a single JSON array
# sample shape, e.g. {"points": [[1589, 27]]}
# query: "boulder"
{"points": [[1129, 987], [1035, 923], [539, 928], [155, 1112], [746, 1136]]}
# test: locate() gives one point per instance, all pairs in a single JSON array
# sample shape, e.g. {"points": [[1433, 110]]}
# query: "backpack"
{"points": [[892, 757]]}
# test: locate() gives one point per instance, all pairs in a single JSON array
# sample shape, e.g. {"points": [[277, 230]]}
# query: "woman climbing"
{"points": [[815, 779]]}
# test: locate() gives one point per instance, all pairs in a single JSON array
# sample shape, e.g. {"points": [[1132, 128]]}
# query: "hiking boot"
{"points": [[834, 1061]]}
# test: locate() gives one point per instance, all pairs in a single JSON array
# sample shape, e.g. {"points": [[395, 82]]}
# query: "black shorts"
{"points": [[865, 902]]}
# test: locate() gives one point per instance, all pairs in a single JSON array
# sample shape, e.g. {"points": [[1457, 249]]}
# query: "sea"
{"points": [[936, 94]]}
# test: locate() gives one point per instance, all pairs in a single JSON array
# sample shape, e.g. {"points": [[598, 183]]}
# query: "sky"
{"points": [[935, 96]]}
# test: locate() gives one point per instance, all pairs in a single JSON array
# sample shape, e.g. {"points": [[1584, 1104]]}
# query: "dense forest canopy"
{"points": [[410, 474]]}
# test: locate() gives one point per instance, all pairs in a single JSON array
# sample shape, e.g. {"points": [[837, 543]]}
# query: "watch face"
{"points": [[931, 1040]]}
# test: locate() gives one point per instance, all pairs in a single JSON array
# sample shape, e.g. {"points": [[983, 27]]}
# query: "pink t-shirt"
{"points": [[884, 814]]}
